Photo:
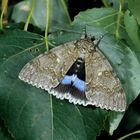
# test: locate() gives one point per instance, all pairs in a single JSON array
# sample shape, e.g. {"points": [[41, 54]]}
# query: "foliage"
{"points": [[28, 113]]}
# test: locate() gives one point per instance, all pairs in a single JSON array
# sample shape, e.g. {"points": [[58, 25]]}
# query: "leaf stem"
{"points": [[51, 108], [118, 19], [130, 134], [66, 11], [4, 12], [105, 3], [47, 22], [29, 15]]}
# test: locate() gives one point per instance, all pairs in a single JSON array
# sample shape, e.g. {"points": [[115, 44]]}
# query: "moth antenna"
{"points": [[98, 41], [84, 33]]}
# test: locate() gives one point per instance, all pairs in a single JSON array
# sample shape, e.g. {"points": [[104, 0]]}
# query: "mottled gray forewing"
{"points": [[103, 87], [46, 70]]}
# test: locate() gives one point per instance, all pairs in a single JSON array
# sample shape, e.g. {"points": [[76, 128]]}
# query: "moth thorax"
{"points": [[85, 46]]}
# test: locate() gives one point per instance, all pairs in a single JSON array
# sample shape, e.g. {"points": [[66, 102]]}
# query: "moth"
{"points": [[79, 72]]}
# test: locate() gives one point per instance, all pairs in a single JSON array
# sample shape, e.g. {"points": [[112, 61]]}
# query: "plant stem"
{"points": [[66, 11], [130, 134], [29, 15], [105, 3], [4, 12], [47, 22], [118, 19], [52, 117]]}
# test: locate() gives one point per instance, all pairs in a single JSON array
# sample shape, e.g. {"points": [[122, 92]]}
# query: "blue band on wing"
{"points": [[79, 84], [66, 80]]}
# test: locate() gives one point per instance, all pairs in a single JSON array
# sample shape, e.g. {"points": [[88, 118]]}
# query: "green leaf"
{"points": [[133, 33], [115, 4], [134, 7], [20, 11], [98, 17], [59, 18], [31, 113], [112, 3], [4, 134]]}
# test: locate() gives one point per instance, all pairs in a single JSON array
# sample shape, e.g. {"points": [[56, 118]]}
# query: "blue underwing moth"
{"points": [[79, 72]]}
